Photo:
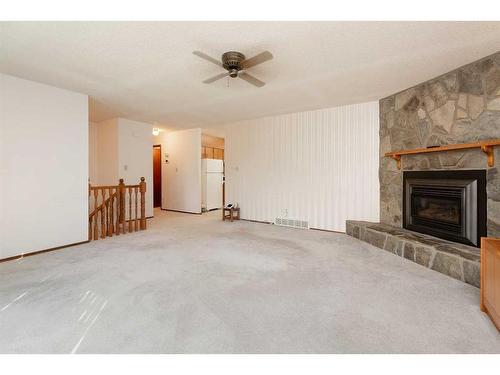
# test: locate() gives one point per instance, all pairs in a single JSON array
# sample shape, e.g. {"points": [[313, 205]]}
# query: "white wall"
{"points": [[320, 166], [107, 153], [181, 176], [123, 150], [135, 156], [93, 143], [43, 166]]}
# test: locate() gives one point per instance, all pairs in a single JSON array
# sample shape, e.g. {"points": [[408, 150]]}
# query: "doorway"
{"points": [[157, 175]]}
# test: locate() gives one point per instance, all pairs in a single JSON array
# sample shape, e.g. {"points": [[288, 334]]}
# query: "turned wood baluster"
{"points": [[117, 218], [136, 221], [121, 188], [106, 222], [96, 224], [113, 228], [114, 207], [142, 187], [110, 221], [130, 228], [108, 225], [110, 213], [111, 216], [96, 215], [90, 219], [90, 228], [102, 231], [103, 214]]}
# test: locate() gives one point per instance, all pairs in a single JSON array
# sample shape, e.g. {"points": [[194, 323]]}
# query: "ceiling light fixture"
{"points": [[156, 131]]}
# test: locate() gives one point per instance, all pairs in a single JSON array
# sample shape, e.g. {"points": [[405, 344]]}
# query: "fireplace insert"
{"points": [[446, 204]]}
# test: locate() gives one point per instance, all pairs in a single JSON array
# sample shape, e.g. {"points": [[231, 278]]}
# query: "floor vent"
{"points": [[301, 224]]}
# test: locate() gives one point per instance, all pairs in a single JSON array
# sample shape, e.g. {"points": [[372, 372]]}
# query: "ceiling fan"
{"points": [[236, 65]]}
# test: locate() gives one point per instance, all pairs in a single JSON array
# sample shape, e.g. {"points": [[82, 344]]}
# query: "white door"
{"points": [[214, 191]]}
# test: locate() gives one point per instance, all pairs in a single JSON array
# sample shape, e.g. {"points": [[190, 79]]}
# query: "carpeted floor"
{"points": [[195, 284]]}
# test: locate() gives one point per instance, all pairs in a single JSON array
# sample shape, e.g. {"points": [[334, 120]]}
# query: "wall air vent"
{"points": [[284, 222]]}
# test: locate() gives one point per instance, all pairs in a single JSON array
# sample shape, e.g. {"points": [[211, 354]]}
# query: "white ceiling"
{"points": [[146, 70]]}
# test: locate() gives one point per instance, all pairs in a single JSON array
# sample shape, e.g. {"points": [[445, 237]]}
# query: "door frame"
{"points": [[161, 178]]}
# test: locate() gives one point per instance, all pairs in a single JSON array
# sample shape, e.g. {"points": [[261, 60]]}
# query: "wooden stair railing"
{"points": [[109, 215]]}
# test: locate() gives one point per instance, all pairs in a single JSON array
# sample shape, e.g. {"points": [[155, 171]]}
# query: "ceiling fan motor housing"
{"points": [[231, 61]]}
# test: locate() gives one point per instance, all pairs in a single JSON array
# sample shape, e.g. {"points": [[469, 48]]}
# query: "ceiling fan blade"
{"points": [[257, 59], [206, 57], [215, 78], [251, 79]]}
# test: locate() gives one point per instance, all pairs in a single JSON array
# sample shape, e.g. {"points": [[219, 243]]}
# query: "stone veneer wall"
{"points": [[458, 107]]}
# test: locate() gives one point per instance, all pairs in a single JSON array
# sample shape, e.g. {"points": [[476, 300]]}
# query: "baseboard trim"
{"points": [[328, 230], [256, 221], [15, 257], [132, 220], [182, 212], [268, 222]]}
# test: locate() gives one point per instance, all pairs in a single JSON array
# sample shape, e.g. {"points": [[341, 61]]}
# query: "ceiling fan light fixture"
{"points": [[235, 63]]}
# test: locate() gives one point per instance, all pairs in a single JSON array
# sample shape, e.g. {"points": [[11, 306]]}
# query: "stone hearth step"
{"points": [[459, 261]]}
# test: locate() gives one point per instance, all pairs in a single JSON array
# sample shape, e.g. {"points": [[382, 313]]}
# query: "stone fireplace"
{"points": [[436, 207], [458, 107], [446, 204]]}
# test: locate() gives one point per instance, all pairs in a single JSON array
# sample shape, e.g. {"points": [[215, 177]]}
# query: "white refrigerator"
{"points": [[211, 183]]}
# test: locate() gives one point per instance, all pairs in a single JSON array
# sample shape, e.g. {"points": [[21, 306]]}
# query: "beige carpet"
{"points": [[195, 284]]}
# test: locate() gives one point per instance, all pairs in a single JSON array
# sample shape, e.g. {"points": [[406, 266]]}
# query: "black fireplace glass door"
{"points": [[442, 209]]}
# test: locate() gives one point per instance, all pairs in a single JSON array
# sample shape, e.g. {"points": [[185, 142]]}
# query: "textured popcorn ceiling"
{"points": [[145, 70]]}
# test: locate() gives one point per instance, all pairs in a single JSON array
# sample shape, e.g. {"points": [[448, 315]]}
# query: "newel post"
{"points": [[142, 188], [90, 217], [121, 201]]}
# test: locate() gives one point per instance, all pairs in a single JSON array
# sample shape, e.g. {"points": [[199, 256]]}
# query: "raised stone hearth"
{"points": [[453, 259]]}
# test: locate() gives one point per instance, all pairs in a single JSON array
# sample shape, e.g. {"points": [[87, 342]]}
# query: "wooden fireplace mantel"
{"points": [[486, 146]]}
